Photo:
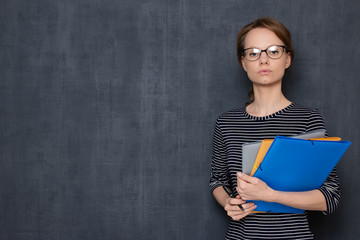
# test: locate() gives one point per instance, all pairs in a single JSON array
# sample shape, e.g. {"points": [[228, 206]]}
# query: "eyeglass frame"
{"points": [[265, 50]]}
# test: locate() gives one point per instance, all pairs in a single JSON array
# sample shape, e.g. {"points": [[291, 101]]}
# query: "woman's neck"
{"points": [[267, 101]]}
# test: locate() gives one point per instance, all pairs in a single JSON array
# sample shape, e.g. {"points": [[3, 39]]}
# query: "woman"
{"points": [[264, 51]]}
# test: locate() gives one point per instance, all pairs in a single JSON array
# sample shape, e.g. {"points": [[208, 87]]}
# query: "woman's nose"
{"points": [[264, 59]]}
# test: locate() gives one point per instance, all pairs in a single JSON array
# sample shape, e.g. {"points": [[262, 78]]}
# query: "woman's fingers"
{"points": [[248, 206], [238, 208], [231, 207], [239, 214], [251, 188], [247, 178], [235, 201], [232, 204]]}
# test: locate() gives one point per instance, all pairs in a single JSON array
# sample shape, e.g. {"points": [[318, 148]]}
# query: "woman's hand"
{"points": [[233, 208], [252, 188]]}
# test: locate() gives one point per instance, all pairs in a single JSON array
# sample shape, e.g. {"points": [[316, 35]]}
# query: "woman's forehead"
{"points": [[261, 38]]}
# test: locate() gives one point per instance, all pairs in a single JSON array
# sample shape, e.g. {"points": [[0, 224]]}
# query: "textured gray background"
{"points": [[107, 110]]}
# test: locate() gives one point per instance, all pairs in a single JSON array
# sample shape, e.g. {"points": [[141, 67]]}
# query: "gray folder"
{"points": [[250, 150]]}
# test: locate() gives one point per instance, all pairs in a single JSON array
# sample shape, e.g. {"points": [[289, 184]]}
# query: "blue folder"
{"points": [[297, 165]]}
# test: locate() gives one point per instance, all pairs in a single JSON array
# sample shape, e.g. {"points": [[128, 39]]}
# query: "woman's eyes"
{"points": [[274, 52]]}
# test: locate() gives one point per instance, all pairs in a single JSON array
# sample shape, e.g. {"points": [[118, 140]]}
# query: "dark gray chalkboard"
{"points": [[107, 110]]}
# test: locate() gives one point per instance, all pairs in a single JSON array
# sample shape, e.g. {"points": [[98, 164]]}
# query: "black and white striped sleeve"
{"points": [[331, 191], [219, 169], [331, 187]]}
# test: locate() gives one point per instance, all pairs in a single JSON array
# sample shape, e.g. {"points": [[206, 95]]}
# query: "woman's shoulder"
{"points": [[309, 114], [233, 113], [303, 108]]}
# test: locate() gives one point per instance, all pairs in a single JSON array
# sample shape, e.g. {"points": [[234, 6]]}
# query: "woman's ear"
{"points": [[288, 61]]}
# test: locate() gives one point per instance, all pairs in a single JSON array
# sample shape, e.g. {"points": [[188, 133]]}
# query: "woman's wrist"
{"points": [[271, 195]]}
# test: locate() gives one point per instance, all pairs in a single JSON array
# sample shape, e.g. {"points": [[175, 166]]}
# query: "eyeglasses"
{"points": [[274, 52]]}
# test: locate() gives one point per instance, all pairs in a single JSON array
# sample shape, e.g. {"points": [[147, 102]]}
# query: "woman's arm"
{"points": [[310, 200], [331, 187], [252, 188], [220, 195]]}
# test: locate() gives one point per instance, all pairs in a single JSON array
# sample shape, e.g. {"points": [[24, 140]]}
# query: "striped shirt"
{"points": [[237, 127]]}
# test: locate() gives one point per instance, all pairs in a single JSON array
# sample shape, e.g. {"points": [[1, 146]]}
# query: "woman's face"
{"points": [[265, 71]]}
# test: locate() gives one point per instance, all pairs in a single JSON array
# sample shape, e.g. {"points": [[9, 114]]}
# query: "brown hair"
{"points": [[273, 25]]}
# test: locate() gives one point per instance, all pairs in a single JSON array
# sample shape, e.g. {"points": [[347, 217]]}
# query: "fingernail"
{"points": [[239, 174]]}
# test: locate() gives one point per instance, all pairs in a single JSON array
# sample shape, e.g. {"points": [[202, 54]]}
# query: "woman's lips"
{"points": [[264, 72]]}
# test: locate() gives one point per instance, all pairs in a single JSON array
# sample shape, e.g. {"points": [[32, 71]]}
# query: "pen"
{"points": [[231, 195], [241, 207]]}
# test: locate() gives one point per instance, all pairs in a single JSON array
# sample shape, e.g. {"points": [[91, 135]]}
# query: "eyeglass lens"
{"points": [[273, 52]]}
